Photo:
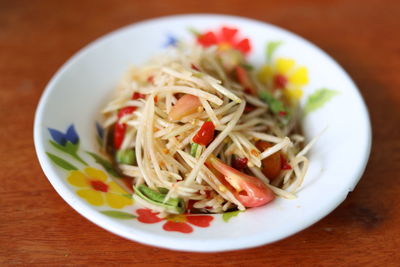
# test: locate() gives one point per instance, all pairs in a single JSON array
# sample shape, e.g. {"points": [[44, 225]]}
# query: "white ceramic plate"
{"points": [[82, 86]]}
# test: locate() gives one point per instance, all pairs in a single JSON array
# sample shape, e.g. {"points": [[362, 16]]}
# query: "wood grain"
{"points": [[38, 227]]}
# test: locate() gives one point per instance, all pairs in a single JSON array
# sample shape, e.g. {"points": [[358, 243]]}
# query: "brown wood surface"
{"points": [[38, 227]]}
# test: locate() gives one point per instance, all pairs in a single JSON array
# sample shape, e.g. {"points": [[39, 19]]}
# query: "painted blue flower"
{"points": [[67, 142], [62, 138], [171, 41]]}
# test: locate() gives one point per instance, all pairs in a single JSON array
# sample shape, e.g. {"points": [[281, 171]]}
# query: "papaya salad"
{"points": [[194, 131]]}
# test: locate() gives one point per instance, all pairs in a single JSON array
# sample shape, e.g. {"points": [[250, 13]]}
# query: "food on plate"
{"points": [[194, 130]]}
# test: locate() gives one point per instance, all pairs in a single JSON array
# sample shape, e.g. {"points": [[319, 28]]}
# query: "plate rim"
{"points": [[155, 239]]}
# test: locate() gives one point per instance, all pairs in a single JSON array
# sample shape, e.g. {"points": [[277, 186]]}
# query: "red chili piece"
{"points": [[240, 163], [120, 128], [248, 90], [137, 95], [119, 134], [125, 111], [194, 67], [205, 135], [190, 205], [249, 108], [208, 194]]}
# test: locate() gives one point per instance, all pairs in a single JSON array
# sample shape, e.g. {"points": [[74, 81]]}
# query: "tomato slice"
{"points": [[271, 166], [186, 105], [249, 190], [205, 135]]}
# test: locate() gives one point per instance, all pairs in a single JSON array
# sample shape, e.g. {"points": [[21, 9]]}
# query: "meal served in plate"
{"points": [[196, 130]]}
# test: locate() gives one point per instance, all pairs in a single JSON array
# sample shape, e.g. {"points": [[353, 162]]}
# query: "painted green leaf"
{"points": [[118, 214], [105, 163], [99, 141], [270, 49], [318, 99], [229, 215], [61, 162], [127, 196], [70, 149], [194, 31]]}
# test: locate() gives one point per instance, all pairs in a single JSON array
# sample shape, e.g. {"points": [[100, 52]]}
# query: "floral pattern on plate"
{"points": [[175, 223]]}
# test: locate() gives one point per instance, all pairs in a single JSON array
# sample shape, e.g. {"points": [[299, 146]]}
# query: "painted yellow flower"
{"points": [[95, 189], [286, 75]]}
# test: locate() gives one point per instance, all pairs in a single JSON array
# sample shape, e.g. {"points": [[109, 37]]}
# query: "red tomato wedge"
{"points": [[186, 105], [205, 135], [249, 190], [271, 166]]}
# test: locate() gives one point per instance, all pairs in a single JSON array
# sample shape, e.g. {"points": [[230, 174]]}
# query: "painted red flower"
{"points": [[148, 216], [175, 223], [225, 38]]}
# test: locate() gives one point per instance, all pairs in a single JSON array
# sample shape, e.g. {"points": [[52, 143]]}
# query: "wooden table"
{"points": [[37, 226]]}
